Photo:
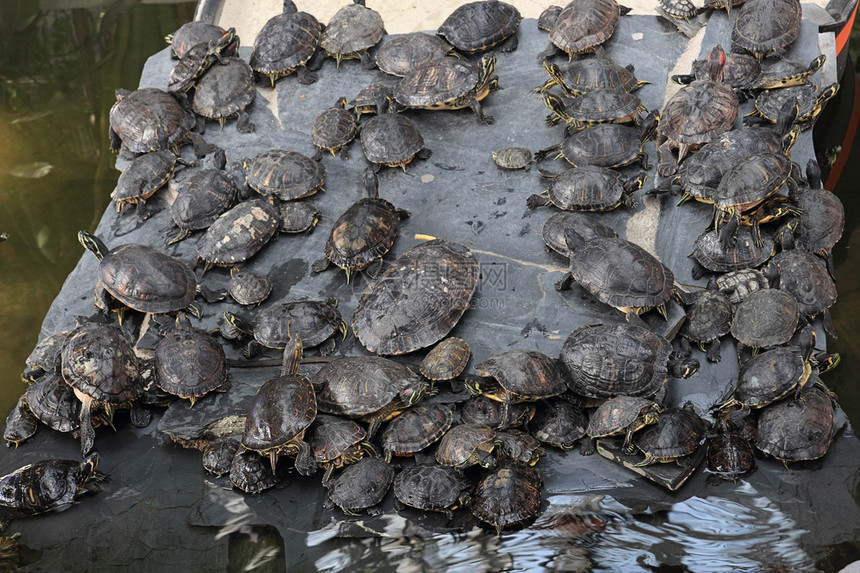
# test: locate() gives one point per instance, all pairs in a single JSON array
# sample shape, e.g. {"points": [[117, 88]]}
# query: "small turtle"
{"points": [[218, 457], [809, 98], [287, 174], [737, 285], [588, 188], [281, 412], [594, 107], [399, 55], [559, 423], [446, 360], [583, 25], [333, 130], [364, 233], [797, 428], [745, 252], [196, 32], [484, 411], [507, 495], [765, 27], [250, 472], [202, 198], [623, 415], [360, 487], [677, 433], [247, 287], [393, 140], [518, 446], [465, 445], [546, 19], [586, 74], [21, 424], [374, 98], [449, 83], [730, 456], [189, 362], [45, 357], [805, 276], [53, 402], [563, 231], [513, 158], [606, 360], [709, 317], [418, 299], [684, 9], [351, 32], [416, 429], [238, 234], [432, 487], [197, 60], [337, 442], [298, 217], [285, 44], [477, 26], [766, 318], [144, 176], [225, 92]]}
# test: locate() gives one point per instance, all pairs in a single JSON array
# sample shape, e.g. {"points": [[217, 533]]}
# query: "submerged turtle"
{"points": [[361, 486], [764, 27], [583, 25], [588, 188], [446, 360], [477, 26], [507, 495], [333, 130], [559, 423], [142, 178], [798, 428], [677, 433], [189, 362], [432, 487], [465, 445], [393, 140], [238, 234], [351, 32], [586, 74], [285, 44], [337, 442], [287, 174], [416, 429], [401, 54], [225, 91], [202, 198], [623, 415]]}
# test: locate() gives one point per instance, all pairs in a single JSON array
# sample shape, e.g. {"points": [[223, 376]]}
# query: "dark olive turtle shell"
{"points": [[418, 299], [763, 27], [352, 29], [604, 106], [446, 360], [247, 287], [459, 444], [546, 19], [99, 362], [239, 233], [730, 456], [390, 139], [476, 26], [740, 70], [315, 321], [525, 373], [398, 55], [597, 72], [53, 402], [285, 42], [767, 317], [193, 33], [330, 437], [771, 375], [604, 145], [21, 424], [587, 188], [287, 174], [805, 276], [484, 411], [46, 356], [518, 445], [614, 416], [143, 177], [218, 457], [150, 119], [708, 318], [298, 217], [417, 428], [560, 228], [251, 472], [699, 112], [769, 102], [797, 428], [507, 495], [224, 90], [436, 83], [47, 485], [361, 385], [334, 128], [189, 362], [743, 253], [282, 410], [752, 179], [430, 487], [202, 198], [606, 360], [363, 234], [361, 485], [677, 433], [581, 26], [370, 98], [822, 221]]}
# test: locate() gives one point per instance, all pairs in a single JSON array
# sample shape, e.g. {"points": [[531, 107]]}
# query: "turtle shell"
{"points": [[315, 321], [616, 415], [298, 217], [143, 177], [598, 72], [202, 198], [46, 356], [737, 285], [370, 98], [99, 362], [730, 456], [247, 287], [784, 73], [190, 363], [769, 102], [546, 19], [622, 274], [53, 402], [282, 410], [361, 385], [763, 27], [476, 26], [679, 8], [460, 445], [437, 83], [740, 71], [604, 106], [334, 128], [822, 221], [708, 318], [744, 252], [560, 229], [285, 42], [417, 428], [390, 139], [513, 158], [218, 457], [484, 411], [805, 276], [353, 28], [527, 374], [677, 433], [606, 360], [588, 188], [604, 145], [224, 90], [197, 61], [331, 437], [752, 180], [767, 317], [48, 485], [430, 487], [418, 300], [193, 33], [507, 495], [21, 424], [250, 472], [519, 446], [400, 54], [797, 429], [584, 24], [150, 119], [446, 360], [363, 234], [361, 485], [239, 233], [287, 174], [771, 375], [699, 112]]}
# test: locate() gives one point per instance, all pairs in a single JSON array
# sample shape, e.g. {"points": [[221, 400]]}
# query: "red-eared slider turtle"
{"points": [[364, 233], [797, 428], [446, 360], [518, 446], [558, 423], [432, 487], [374, 98], [197, 60], [805, 276], [465, 445], [745, 252], [142, 178], [745, 73], [298, 217], [418, 299], [368, 387], [765, 26], [250, 472], [202, 198], [621, 274], [21, 424], [809, 98], [766, 318], [315, 321], [48, 485], [53, 402], [333, 130], [285, 44], [218, 457], [518, 376], [189, 362], [361, 486], [99, 363], [507, 495], [546, 19], [679, 9], [282, 410], [351, 32], [337, 442], [737, 285], [696, 114], [45, 357], [784, 73], [449, 83], [225, 92], [513, 158], [193, 33], [416, 429], [772, 375], [401, 54], [607, 360], [730, 455], [623, 415], [587, 74], [484, 411], [287, 174], [563, 231], [477, 26], [583, 25], [247, 287], [709, 317], [740, 71], [140, 277], [393, 140], [594, 107], [588, 188], [677, 433], [238, 234]]}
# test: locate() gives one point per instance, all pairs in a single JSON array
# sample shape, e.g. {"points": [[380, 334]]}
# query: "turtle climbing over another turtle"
{"points": [[586, 74], [144, 176], [196, 61], [337, 442], [797, 428], [582, 25], [593, 108], [197, 32], [623, 415], [810, 99]]}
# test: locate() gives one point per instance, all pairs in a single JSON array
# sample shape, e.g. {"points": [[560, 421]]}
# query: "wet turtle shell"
{"points": [[239, 233], [21, 424], [53, 402], [588, 188], [431, 487], [218, 457], [446, 360], [771, 376], [201, 199], [587, 74], [287, 174], [189, 362], [797, 429], [285, 44], [416, 429], [148, 119], [48, 485], [677, 433], [197, 61], [519, 446], [250, 472], [143, 177], [476, 26], [766, 318], [562, 230], [607, 144], [298, 217], [558, 423], [730, 456], [595, 107], [623, 415], [709, 317], [337, 442], [193, 33], [513, 158], [391, 139], [484, 411], [415, 302], [45, 357], [352, 31], [507, 495], [225, 91], [400, 54], [764, 27], [743, 253], [583, 25], [361, 486], [247, 287], [334, 129], [523, 375], [465, 445], [315, 321]]}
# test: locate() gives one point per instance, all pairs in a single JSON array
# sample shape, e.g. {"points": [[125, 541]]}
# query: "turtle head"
{"points": [[474, 385], [238, 322], [650, 125], [790, 139], [93, 244], [289, 7], [371, 183], [683, 367], [224, 42], [716, 63], [413, 394], [813, 174]]}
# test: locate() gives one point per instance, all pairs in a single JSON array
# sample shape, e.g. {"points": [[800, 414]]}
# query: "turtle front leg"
{"points": [[509, 45], [305, 463], [305, 76], [479, 112]]}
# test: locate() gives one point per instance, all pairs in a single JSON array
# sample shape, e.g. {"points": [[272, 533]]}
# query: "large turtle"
{"points": [[418, 300], [238, 234], [287, 174], [416, 429], [351, 32], [507, 495], [677, 433], [224, 92], [591, 73], [583, 25], [477, 26], [189, 362], [399, 55], [285, 44], [764, 26]]}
